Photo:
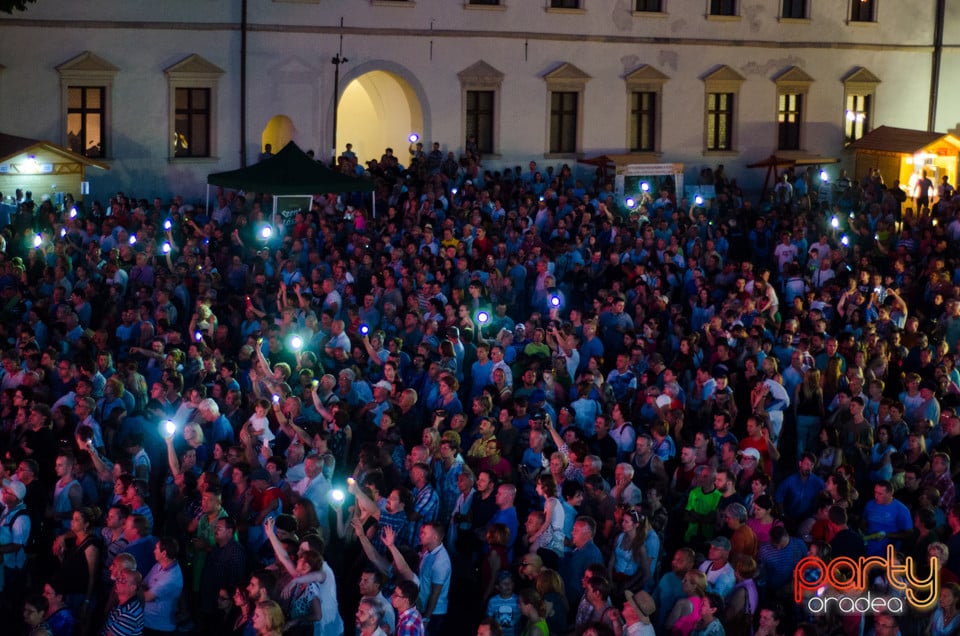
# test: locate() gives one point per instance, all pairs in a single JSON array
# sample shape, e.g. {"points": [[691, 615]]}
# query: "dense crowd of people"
{"points": [[507, 404]]}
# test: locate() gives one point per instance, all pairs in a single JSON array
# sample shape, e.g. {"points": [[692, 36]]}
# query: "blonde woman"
{"points": [[810, 410]]}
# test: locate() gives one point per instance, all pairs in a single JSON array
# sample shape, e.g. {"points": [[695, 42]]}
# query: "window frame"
{"points": [[193, 72], [190, 113], [856, 9], [722, 80], [479, 77], [85, 112], [717, 9], [804, 5], [638, 9], [89, 70], [793, 81], [478, 115], [859, 83], [790, 121], [645, 79], [565, 78]]}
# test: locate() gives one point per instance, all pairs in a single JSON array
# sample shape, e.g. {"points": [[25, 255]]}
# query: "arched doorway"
{"points": [[378, 109], [278, 132]]}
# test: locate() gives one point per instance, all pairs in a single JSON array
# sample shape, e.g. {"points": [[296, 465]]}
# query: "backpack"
{"points": [[32, 539]]}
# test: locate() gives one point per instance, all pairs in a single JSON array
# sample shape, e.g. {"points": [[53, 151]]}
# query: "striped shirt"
{"points": [[125, 620]]}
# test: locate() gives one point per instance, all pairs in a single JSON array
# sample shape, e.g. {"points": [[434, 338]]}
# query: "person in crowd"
{"points": [[669, 334]]}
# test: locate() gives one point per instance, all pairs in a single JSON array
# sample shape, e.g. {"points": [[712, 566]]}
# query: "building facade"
{"points": [[155, 90]]}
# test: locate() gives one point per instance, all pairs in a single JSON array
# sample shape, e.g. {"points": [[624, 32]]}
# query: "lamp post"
{"points": [[337, 60]]}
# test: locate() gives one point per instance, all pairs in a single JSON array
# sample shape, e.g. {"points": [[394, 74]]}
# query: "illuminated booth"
{"points": [[43, 168], [901, 153], [637, 176]]}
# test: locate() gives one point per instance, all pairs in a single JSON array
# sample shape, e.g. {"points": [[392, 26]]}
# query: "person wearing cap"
{"points": [[381, 402], [720, 575], [758, 438], [15, 527]]}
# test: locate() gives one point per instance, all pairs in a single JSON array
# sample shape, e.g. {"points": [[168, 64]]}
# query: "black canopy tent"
{"points": [[288, 172]]}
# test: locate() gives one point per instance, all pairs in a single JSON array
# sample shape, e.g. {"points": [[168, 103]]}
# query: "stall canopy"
{"points": [[901, 153], [42, 167], [290, 171], [773, 163]]}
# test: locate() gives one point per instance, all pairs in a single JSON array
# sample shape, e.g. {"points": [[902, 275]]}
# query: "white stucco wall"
{"points": [[289, 71]]}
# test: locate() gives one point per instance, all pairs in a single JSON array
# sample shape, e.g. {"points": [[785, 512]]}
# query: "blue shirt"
{"points": [[798, 496], [435, 569]]}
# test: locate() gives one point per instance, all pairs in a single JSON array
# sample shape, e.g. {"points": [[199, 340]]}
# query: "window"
{"points": [[480, 86], [564, 109], [565, 90], [723, 7], [793, 85], [856, 117], [86, 84], [720, 121], [649, 6], [486, 2], [859, 89], [794, 9], [644, 95], [564, 4], [722, 89], [192, 123], [480, 119], [192, 84], [643, 115], [86, 120], [863, 10], [789, 119]]}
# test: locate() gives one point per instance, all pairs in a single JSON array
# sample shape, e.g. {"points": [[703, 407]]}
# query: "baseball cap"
{"points": [[16, 488], [720, 542], [383, 384], [750, 452]]}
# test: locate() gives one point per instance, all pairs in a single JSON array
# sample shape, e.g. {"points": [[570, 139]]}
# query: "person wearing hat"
{"points": [[758, 438], [380, 403], [637, 609], [720, 575], [14, 534]]}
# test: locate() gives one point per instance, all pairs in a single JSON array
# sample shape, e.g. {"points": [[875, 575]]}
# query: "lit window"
{"points": [[863, 10], [192, 123], [859, 94], [719, 121], [789, 121], [794, 9], [856, 117], [86, 82], [193, 83], [86, 120]]}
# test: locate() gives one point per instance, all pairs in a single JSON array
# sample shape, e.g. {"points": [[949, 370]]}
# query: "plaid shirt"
{"points": [[409, 623]]}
